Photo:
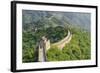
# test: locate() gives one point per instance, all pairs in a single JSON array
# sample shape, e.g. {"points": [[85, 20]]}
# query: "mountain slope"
{"points": [[50, 18]]}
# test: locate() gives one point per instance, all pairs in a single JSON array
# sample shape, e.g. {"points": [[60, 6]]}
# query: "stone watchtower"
{"points": [[42, 47]]}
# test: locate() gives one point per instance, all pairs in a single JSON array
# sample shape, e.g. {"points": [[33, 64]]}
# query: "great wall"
{"points": [[44, 45], [64, 41]]}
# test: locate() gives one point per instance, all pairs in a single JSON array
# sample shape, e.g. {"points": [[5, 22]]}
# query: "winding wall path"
{"points": [[64, 41], [60, 45]]}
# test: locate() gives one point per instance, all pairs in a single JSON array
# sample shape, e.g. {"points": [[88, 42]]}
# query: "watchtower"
{"points": [[42, 47]]}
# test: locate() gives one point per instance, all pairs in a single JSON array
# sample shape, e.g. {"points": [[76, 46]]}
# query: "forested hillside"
{"points": [[55, 26], [78, 48]]}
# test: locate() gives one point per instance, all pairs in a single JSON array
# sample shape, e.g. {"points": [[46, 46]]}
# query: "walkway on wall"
{"points": [[64, 41]]}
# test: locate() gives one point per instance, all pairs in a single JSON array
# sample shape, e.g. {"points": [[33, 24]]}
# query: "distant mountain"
{"points": [[43, 19]]}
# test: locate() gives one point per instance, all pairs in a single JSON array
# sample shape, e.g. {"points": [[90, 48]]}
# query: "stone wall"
{"points": [[64, 41]]}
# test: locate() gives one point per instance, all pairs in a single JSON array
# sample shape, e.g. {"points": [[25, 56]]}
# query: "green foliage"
{"points": [[55, 26], [28, 46], [55, 34], [28, 55], [31, 37], [55, 54], [79, 48]]}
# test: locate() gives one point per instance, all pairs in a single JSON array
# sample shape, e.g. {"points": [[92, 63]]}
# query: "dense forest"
{"points": [[30, 39], [55, 26], [78, 48]]}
